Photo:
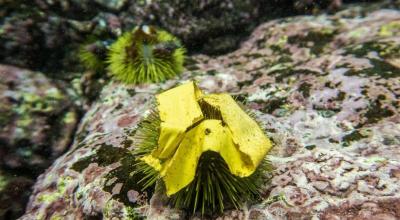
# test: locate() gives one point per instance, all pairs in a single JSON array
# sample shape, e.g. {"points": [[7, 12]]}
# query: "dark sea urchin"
{"points": [[215, 161], [146, 55], [93, 54]]}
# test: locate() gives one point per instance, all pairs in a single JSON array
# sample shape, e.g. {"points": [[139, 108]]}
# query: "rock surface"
{"points": [[30, 30], [326, 89], [37, 122]]}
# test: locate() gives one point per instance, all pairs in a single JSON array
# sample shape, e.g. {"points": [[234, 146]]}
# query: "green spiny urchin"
{"points": [[214, 187], [93, 53], [146, 55]]}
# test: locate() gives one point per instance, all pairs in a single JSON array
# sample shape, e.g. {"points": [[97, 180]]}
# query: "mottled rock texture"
{"points": [[30, 30], [37, 122], [326, 88]]}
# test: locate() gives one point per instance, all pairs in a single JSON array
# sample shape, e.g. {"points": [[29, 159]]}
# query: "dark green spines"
{"points": [[93, 55], [146, 55], [213, 189]]}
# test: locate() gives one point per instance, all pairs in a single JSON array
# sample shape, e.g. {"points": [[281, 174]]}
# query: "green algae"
{"points": [[31, 102], [58, 194], [282, 71], [384, 49], [129, 212], [279, 49], [132, 214], [282, 112], [377, 112], [277, 198], [130, 179], [104, 156], [54, 93], [125, 173], [331, 140], [380, 68], [390, 29], [80, 165], [282, 41], [304, 88], [319, 39], [131, 92], [353, 136], [29, 105], [359, 32], [6, 115], [57, 217], [211, 72], [24, 152], [326, 113], [69, 117], [310, 147], [3, 182], [274, 103], [24, 121]]}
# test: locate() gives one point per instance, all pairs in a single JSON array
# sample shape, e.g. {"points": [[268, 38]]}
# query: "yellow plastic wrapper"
{"points": [[178, 109], [246, 133], [185, 134]]}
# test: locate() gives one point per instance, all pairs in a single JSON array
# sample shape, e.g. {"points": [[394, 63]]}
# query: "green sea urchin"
{"points": [[215, 184], [145, 55], [93, 54]]}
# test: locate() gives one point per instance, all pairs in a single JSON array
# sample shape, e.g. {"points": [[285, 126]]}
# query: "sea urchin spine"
{"points": [[93, 54]]}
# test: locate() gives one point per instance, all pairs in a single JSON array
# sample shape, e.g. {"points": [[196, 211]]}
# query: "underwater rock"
{"points": [[325, 88], [59, 27], [14, 194], [115, 5], [37, 121]]}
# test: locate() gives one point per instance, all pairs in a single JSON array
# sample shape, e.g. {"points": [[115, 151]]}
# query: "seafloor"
{"points": [[326, 88]]}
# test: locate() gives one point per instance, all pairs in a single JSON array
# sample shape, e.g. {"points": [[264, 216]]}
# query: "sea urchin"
{"points": [[93, 54], [204, 149], [146, 54]]}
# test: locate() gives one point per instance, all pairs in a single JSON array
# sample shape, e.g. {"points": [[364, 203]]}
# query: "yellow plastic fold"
{"points": [[185, 135], [246, 133], [178, 109]]}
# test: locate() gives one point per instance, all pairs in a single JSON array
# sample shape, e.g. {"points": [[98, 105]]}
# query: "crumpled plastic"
{"points": [[185, 134]]}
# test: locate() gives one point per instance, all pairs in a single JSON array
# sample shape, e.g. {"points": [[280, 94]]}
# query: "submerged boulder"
{"points": [[326, 89], [37, 122], [59, 27]]}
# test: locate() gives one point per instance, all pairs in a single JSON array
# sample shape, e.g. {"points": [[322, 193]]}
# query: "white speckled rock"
{"points": [[327, 93]]}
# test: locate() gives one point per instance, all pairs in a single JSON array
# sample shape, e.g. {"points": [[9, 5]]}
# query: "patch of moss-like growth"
{"points": [[132, 214], [379, 68], [105, 155], [319, 39], [3, 182], [274, 103], [353, 136], [124, 174], [304, 88], [376, 112], [58, 194], [310, 147], [130, 179], [390, 29], [384, 49], [285, 70], [326, 113]]}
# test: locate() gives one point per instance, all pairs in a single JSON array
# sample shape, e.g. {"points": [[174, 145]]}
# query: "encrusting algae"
{"points": [[207, 150]]}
